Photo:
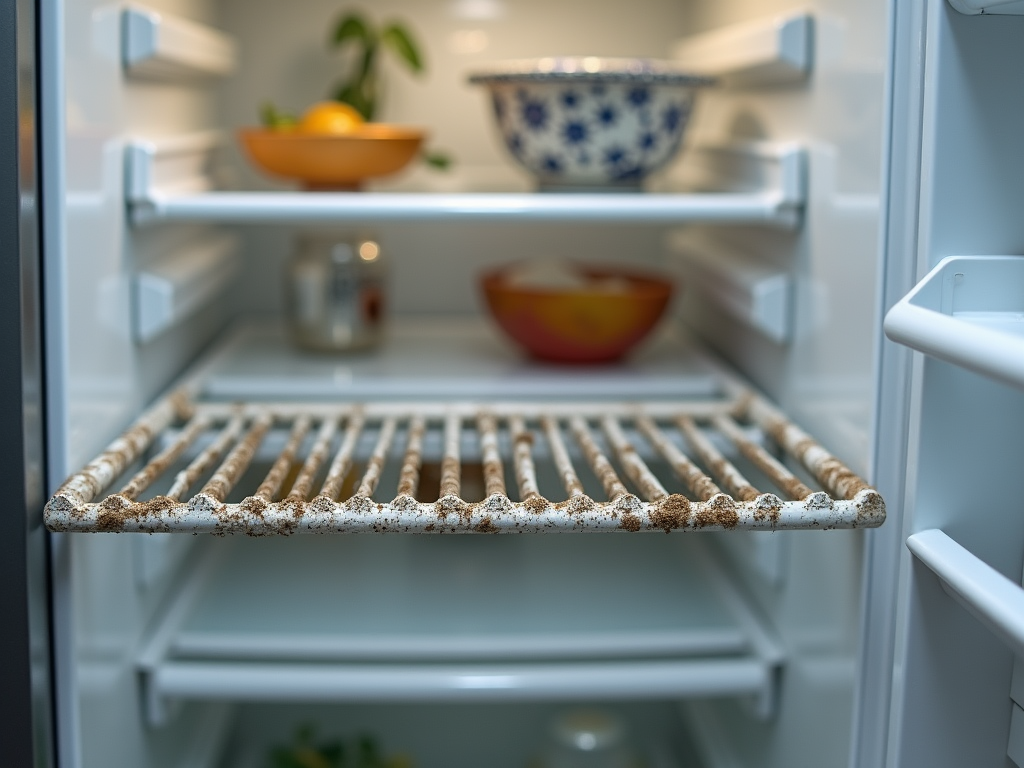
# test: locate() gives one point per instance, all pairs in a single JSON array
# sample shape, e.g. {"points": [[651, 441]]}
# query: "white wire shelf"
{"points": [[170, 179], [461, 635], [351, 467], [968, 311]]}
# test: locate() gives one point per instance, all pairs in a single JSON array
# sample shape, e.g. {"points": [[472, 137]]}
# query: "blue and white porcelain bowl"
{"points": [[589, 122]]}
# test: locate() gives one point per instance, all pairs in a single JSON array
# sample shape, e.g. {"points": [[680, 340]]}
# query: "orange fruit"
{"points": [[330, 117]]}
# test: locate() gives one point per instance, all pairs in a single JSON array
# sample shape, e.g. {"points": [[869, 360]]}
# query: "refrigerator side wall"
{"points": [[99, 376], [824, 375]]}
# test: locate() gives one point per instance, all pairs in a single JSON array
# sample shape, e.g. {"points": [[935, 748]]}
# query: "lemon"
{"points": [[330, 117]]}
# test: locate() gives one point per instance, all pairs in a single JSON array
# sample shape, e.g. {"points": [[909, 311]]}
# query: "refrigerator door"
{"points": [[956, 124], [25, 725]]}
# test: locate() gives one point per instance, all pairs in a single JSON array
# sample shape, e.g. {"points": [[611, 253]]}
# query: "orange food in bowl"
{"points": [[332, 161], [598, 321], [330, 117]]}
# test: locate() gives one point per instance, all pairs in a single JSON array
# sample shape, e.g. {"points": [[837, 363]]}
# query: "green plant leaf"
{"points": [[368, 63], [399, 39], [437, 159], [270, 117], [353, 27]]}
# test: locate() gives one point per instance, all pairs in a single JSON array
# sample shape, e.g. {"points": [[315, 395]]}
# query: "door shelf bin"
{"points": [[968, 311], [369, 627]]}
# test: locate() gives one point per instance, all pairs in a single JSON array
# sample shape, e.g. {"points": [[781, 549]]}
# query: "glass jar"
{"points": [[588, 738], [335, 292]]}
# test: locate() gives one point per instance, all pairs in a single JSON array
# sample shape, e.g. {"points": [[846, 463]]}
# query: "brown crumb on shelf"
{"points": [[768, 506], [630, 522], [671, 512], [719, 511], [538, 505], [486, 526]]}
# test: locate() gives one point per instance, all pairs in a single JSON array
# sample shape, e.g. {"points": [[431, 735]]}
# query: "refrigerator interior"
{"points": [[798, 592]]}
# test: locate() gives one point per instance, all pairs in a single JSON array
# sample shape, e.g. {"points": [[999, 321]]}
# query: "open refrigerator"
{"points": [[857, 165]]}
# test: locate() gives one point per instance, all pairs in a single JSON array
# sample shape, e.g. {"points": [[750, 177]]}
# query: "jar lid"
{"points": [[588, 730]]}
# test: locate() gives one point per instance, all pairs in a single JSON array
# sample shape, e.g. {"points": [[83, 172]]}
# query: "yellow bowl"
{"points": [[325, 162]]}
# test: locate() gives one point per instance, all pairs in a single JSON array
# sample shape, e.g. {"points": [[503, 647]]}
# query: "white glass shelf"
{"points": [[447, 358], [500, 618], [354, 207], [968, 311], [169, 179]]}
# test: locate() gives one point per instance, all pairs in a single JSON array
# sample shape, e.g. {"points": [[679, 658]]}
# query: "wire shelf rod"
{"points": [[600, 465], [271, 484], [342, 462], [761, 459], [317, 456], [702, 486], [375, 466], [451, 464], [409, 477], [635, 468], [717, 464]]}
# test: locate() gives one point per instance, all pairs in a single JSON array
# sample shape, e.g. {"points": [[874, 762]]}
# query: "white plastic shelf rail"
{"points": [[779, 49], [160, 46], [757, 182], [308, 489], [968, 311]]}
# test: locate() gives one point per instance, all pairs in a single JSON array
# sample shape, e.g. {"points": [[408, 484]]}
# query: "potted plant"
{"points": [[364, 44]]}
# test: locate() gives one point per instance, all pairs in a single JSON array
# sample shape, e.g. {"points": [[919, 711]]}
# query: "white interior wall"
{"points": [[284, 58], [825, 376], [98, 377]]}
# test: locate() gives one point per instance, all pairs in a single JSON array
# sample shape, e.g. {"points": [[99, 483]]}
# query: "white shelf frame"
{"points": [[158, 46], [741, 285], [968, 311], [168, 180], [175, 287], [770, 51]]}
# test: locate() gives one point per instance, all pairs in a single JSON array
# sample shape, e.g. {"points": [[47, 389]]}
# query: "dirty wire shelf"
{"points": [[313, 485]]}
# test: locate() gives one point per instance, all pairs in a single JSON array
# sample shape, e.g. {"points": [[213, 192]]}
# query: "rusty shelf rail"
{"points": [[322, 440]]}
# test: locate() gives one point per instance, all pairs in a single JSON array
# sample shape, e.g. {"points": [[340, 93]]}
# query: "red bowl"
{"points": [[578, 325]]}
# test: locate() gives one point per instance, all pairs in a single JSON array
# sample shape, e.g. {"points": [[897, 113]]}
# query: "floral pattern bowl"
{"points": [[591, 122]]}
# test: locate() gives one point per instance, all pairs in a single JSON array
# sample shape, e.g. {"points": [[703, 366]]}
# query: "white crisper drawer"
{"points": [[685, 452]]}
